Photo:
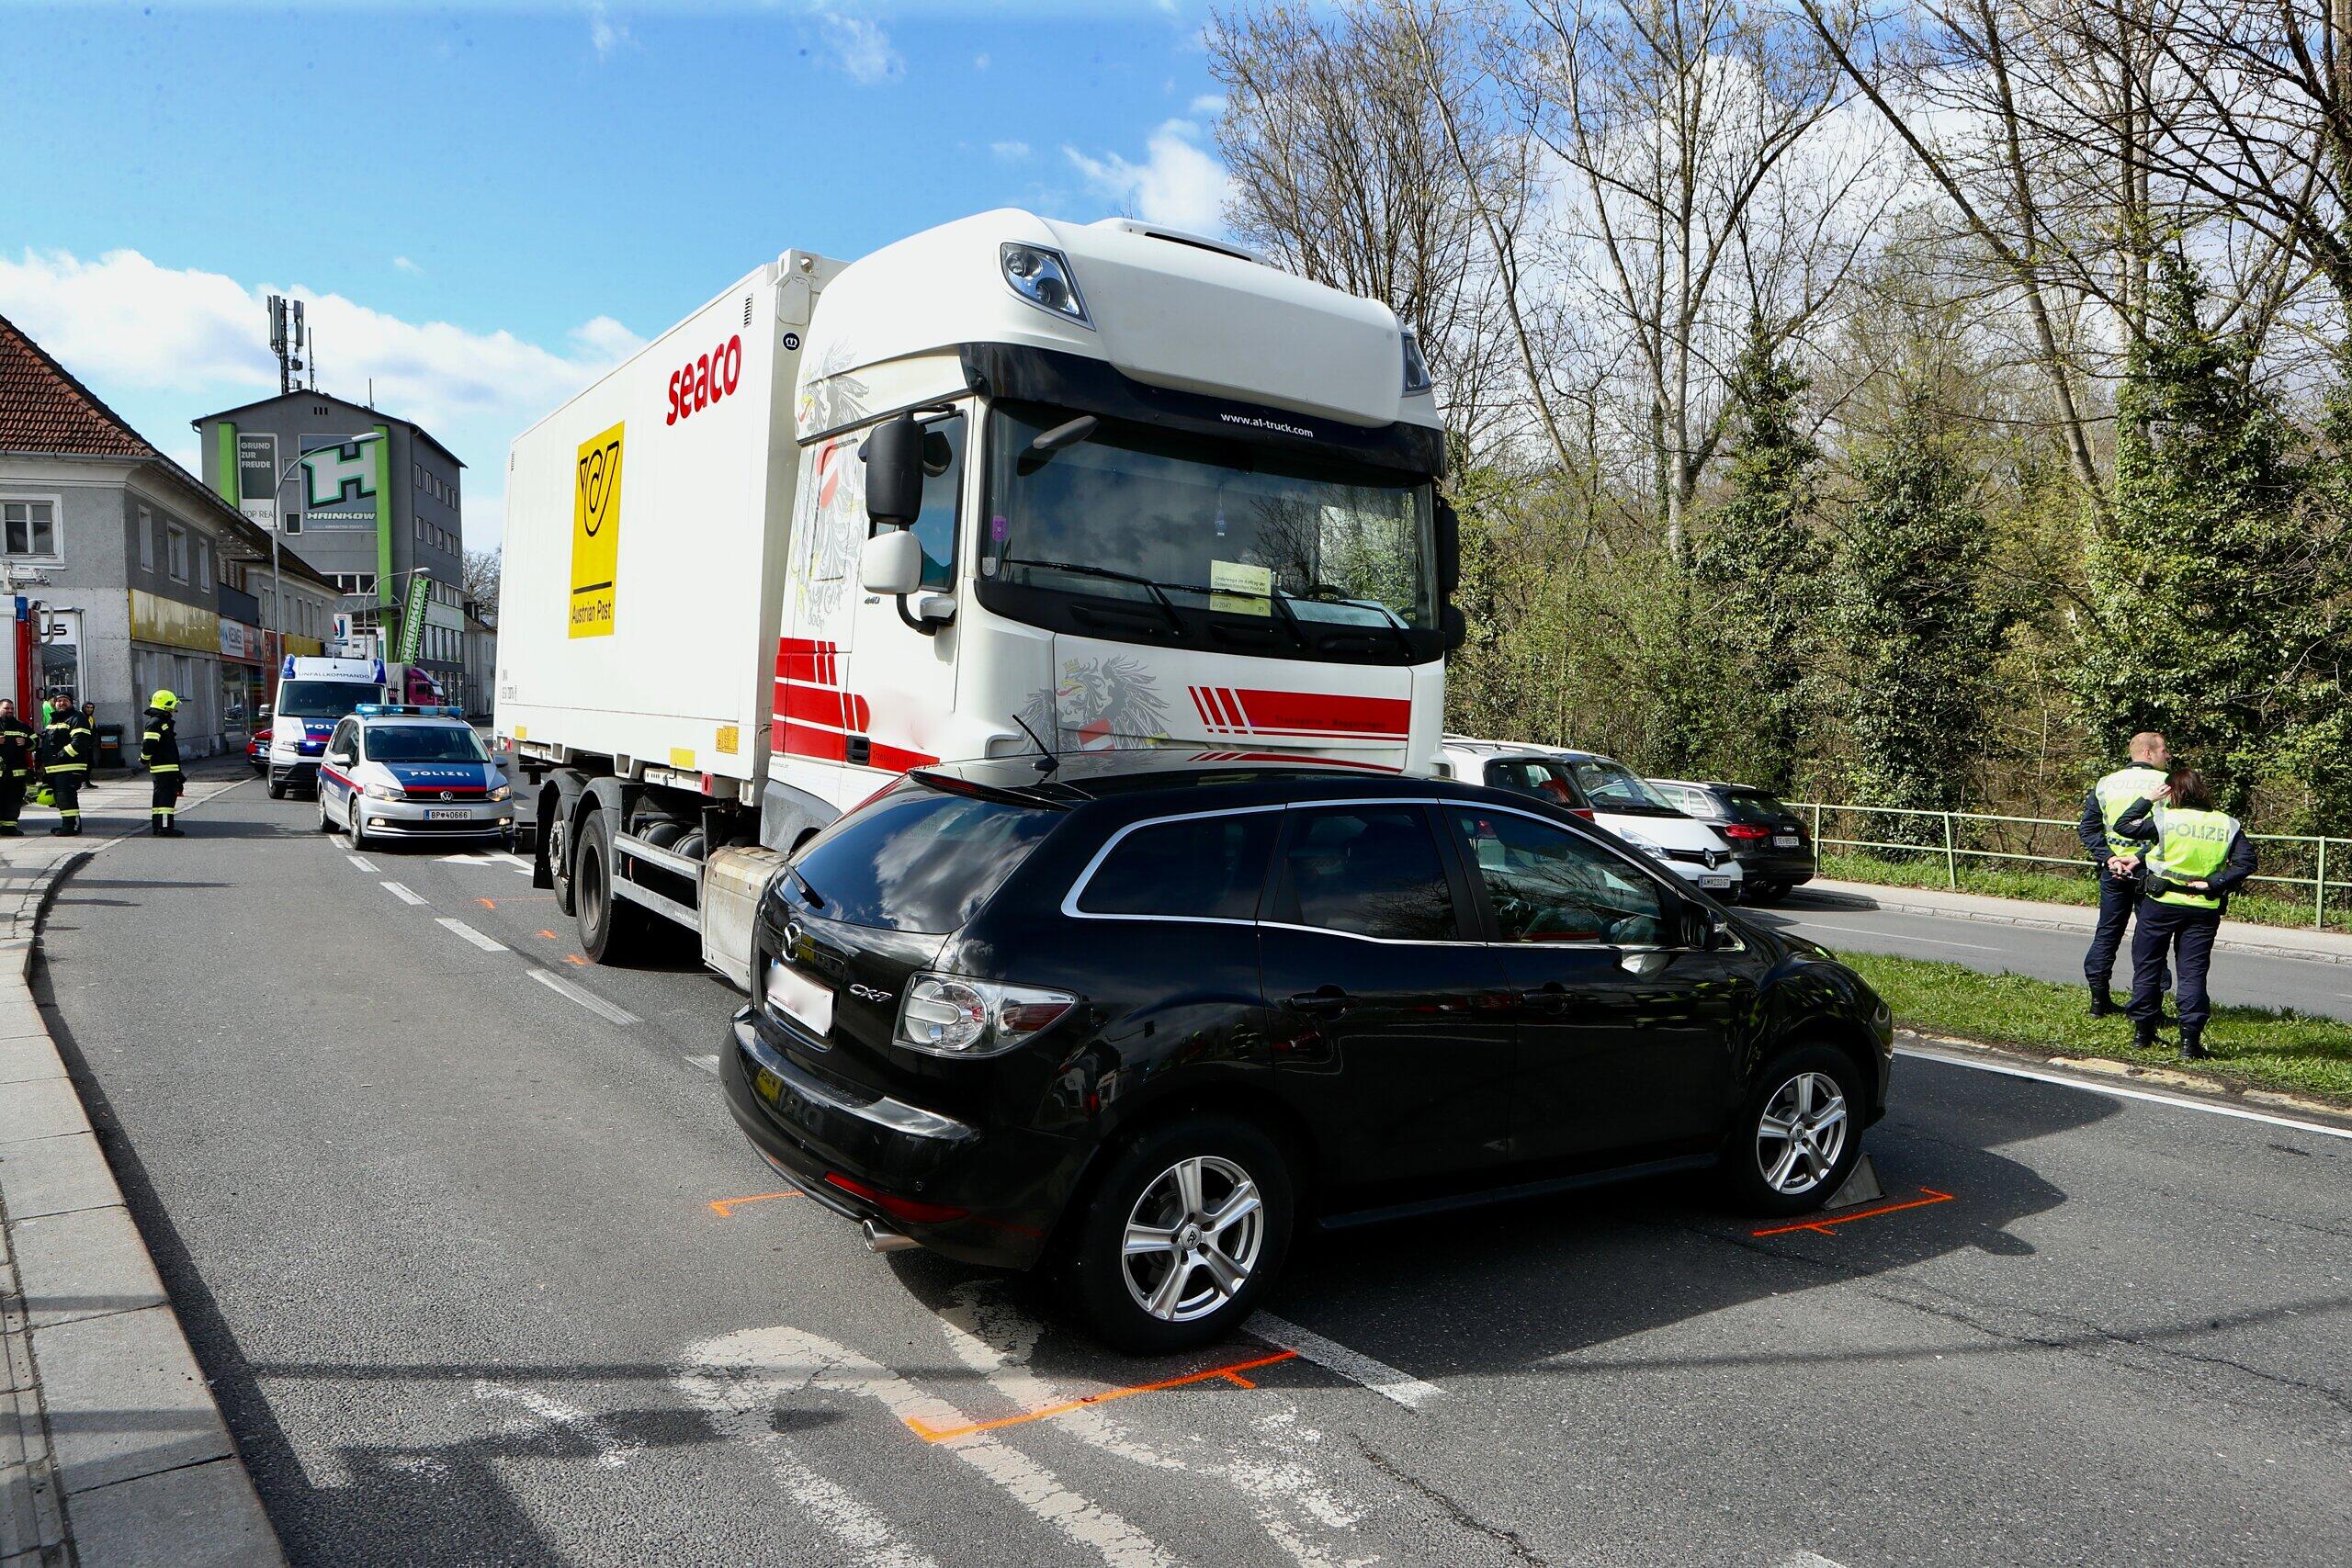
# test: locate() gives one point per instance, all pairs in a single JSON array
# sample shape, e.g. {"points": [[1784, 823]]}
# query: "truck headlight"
{"points": [[1043, 277]]}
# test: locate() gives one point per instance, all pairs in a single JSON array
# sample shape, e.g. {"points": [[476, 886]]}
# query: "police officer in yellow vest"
{"points": [[2200, 853], [67, 745], [159, 753], [2116, 859]]}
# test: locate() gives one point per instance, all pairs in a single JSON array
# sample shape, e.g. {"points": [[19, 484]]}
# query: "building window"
{"points": [[176, 551], [204, 565], [31, 527], [146, 541]]}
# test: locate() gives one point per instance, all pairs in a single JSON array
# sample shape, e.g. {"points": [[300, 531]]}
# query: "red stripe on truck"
{"points": [[1252, 711], [832, 746]]}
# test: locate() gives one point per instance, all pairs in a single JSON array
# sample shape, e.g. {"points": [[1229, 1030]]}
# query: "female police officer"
{"points": [[2201, 854]]}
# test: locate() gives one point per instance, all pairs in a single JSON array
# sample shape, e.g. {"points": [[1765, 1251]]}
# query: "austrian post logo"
{"points": [[596, 534]]}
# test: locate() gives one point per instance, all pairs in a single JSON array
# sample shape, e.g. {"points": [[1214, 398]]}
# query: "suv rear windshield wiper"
{"points": [[1158, 594]]}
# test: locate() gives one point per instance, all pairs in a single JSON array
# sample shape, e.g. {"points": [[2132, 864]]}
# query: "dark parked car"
{"points": [[1141, 1020], [1774, 851]]}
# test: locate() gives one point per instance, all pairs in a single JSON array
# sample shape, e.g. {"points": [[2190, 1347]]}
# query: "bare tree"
{"points": [[1691, 204], [478, 582]]}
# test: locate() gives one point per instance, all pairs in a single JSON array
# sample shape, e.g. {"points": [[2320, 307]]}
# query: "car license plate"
{"points": [[804, 1001], [767, 1086], [1784, 840], [1715, 884], [458, 814]]}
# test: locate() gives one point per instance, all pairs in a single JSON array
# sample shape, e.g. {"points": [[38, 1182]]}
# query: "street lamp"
{"points": [[278, 532]]}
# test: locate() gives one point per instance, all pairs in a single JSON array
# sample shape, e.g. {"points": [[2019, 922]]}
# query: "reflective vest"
{"points": [[61, 747], [2191, 847], [2117, 793], [159, 745]]}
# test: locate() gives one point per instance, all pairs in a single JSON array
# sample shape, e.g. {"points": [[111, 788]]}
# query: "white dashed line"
{"points": [[363, 862], [486, 943], [400, 893], [708, 1064], [595, 1004], [1332, 1356], [2177, 1101], [1898, 936]]}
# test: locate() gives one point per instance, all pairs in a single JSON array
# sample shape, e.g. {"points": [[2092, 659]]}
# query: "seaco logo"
{"points": [[711, 377]]}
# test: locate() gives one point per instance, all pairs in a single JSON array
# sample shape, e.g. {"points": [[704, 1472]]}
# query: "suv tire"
{"points": [[1183, 1180], [1798, 1133]]}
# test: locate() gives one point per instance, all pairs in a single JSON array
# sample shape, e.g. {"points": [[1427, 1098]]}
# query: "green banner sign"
{"points": [[412, 619]]}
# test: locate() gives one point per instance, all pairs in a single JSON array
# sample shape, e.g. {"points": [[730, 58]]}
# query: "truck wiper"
{"points": [[1158, 594]]}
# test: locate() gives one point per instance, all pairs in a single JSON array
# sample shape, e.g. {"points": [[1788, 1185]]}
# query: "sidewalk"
{"points": [[2276, 942], [112, 1450]]}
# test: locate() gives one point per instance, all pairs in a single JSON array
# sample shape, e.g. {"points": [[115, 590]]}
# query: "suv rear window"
{"points": [[919, 859], [1755, 806], [1206, 866]]}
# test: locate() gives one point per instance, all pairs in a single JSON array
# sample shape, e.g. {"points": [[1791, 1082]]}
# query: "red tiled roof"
{"points": [[44, 409]]}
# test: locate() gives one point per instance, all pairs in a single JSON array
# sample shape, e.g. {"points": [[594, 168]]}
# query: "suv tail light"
{"points": [[1744, 830], [947, 1015], [908, 1211]]}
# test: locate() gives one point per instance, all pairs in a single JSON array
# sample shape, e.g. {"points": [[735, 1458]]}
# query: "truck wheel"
{"points": [[1183, 1234], [612, 930], [558, 854]]}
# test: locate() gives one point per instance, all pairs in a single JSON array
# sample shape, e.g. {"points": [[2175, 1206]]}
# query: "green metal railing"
{"points": [[2018, 835]]}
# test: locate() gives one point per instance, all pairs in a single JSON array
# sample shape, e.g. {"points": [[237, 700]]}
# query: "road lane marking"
{"points": [[929, 1434], [363, 862], [708, 1064], [739, 1380], [595, 1004], [1333, 1357], [1826, 1225], [725, 1207], [614, 1451], [1898, 936], [2178, 1101], [400, 893], [487, 945]]}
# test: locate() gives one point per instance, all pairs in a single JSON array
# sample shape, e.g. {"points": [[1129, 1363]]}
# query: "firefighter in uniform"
{"points": [[2200, 853], [159, 753], [2116, 859], [16, 739], [65, 748]]}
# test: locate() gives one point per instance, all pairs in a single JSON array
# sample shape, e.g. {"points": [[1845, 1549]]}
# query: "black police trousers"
{"points": [[2184, 935]]}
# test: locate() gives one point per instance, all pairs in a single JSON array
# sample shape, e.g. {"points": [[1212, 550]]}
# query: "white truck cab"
{"points": [[1009, 485]]}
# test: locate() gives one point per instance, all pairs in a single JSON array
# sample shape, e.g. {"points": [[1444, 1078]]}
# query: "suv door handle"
{"points": [[1552, 997], [1324, 1001]]}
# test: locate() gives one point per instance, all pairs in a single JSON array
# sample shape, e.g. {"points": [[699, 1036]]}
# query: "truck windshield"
{"points": [[424, 743], [1175, 523], [324, 699]]}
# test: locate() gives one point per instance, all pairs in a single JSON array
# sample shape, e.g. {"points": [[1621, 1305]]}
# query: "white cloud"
{"points": [[606, 35], [165, 344], [1207, 106], [981, 61], [1011, 151], [1178, 183], [401, 263], [860, 47]]}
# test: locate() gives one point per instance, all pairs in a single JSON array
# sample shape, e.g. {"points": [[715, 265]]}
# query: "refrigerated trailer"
{"points": [[1010, 485]]}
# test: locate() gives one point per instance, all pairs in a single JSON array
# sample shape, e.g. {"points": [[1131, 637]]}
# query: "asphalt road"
{"points": [[2313, 986], [483, 1273]]}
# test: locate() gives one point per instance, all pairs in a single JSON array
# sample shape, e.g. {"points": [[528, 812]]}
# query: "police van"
{"points": [[312, 693], [404, 770]]}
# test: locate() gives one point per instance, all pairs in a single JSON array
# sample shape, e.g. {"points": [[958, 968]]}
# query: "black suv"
{"points": [[1140, 1019], [1774, 852]]}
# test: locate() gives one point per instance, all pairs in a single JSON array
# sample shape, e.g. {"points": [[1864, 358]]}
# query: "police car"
{"points": [[401, 770]]}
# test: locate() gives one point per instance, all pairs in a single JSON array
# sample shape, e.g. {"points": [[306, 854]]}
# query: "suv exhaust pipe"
{"points": [[880, 1240]]}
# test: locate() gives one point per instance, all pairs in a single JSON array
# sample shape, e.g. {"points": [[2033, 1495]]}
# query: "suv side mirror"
{"points": [[893, 459], [340, 759], [891, 563], [1702, 929]]}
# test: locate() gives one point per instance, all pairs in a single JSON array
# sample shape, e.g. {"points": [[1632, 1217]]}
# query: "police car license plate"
{"points": [[1784, 840], [453, 816], [803, 999]]}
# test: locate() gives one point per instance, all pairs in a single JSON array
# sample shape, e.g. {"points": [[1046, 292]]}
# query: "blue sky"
{"points": [[487, 204]]}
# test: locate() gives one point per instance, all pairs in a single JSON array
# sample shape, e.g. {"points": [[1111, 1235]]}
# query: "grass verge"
{"points": [[2058, 888], [2253, 1047]]}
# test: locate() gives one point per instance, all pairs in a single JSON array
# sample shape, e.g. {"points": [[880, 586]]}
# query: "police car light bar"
{"points": [[406, 710]]}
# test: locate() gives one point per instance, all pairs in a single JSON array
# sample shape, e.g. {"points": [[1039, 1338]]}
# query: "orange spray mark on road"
{"points": [[726, 1207], [931, 1433], [1826, 1224], [575, 958], [487, 903], [550, 935]]}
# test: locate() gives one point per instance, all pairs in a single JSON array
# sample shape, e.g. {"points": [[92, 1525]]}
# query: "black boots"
{"points": [[164, 827], [2143, 1034], [2103, 1004], [2192, 1044]]}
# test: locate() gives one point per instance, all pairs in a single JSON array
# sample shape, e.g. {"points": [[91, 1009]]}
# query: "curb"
{"points": [[1896, 905], [2090, 1070], [112, 1447]]}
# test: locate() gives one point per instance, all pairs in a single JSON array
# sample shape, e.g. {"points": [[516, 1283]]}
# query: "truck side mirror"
{"points": [[1448, 548], [891, 563], [1455, 625], [893, 459]]}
